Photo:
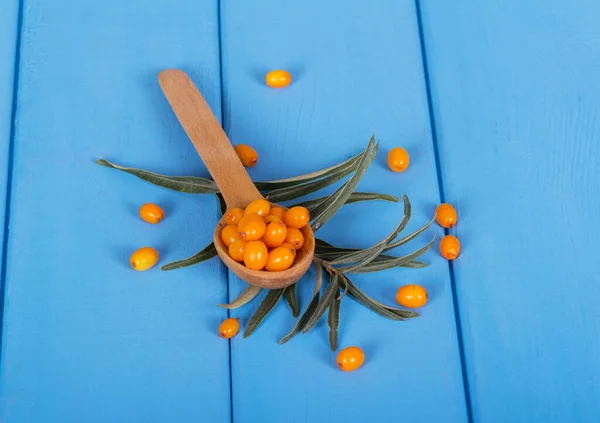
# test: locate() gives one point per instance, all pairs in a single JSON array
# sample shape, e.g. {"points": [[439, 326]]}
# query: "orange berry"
{"points": [[144, 258], [296, 217], [398, 159], [277, 211], [251, 227], [270, 218], [255, 255], [412, 296], [275, 234], [449, 247], [278, 78], [151, 213], [233, 216], [295, 238], [229, 234], [248, 156], [280, 258], [260, 207], [290, 246], [445, 215], [350, 359], [236, 250], [229, 328]]}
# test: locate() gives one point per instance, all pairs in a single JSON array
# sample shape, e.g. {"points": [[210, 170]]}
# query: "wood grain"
{"points": [[356, 70], [515, 92], [86, 338]]}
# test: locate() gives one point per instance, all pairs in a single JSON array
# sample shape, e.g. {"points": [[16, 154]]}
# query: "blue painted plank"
{"points": [[8, 52], [86, 338], [356, 70], [515, 92]]}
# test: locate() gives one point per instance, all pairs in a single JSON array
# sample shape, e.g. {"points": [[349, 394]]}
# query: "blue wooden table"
{"points": [[497, 103]]}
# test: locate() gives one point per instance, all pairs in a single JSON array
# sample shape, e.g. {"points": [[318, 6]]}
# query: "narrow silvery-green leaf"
{"points": [[263, 310], [413, 264], [364, 257], [330, 293], [309, 177], [303, 320], [222, 204], [388, 264], [189, 184], [290, 296], [343, 281], [333, 321], [245, 297], [355, 197], [376, 306], [409, 237], [207, 253], [335, 201]]}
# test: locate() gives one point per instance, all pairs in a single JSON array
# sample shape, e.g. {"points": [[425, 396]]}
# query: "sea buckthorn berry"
{"points": [[350, 359], [398, 159], [270, 218], [445, 215], [260, 207], [229, 234], [151, 213], [255, 255], [449, 247], [280, 258], [144, 258], [275, 234], [236, 250], [295, 238], [296, 217], [290, 246], [229, 328], [277, 211], [278, 78], [251, 227], [248, 156], [412, 296], [233, 216]]}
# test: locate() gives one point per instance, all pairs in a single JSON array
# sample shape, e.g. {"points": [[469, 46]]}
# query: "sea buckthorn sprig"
{"points": [[333, 264]]}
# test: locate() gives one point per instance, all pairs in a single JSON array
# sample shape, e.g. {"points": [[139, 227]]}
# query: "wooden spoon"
{"points": [[229, 174]]}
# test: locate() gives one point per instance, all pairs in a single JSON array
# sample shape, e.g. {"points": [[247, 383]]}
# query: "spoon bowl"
{"points": [[226, 169]]}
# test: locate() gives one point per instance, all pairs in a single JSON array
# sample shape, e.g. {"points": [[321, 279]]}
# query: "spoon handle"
{"points": [[208, 138]]}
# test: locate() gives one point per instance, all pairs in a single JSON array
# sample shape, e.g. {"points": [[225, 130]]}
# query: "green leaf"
{"points": [[333, 321], [263, 310], [413, 264], [377, 307], [303, 320], [355, 197], [245, 297], [388, 264], [309, 177], [409, 237], [189, 184], [207, 253], [290, 296], [364, 257], [222, 204], [335, 201], [330, 293]]}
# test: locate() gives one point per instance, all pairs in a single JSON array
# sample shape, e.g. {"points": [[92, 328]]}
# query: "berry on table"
{"points": [[350, 359], [411, 296], [248, 156], [449, 247], [151, 213], [143, 259], [251, 227], [445, 215], [255, 255], [398, 159], [229, 328], [278, 78]]}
